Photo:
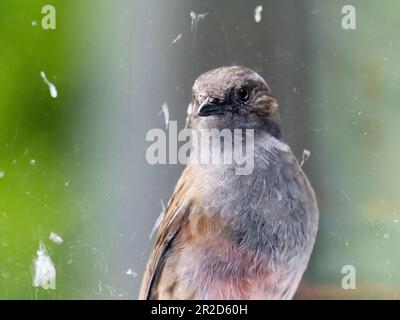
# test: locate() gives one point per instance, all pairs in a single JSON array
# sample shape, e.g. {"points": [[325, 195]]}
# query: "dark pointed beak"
{"points": [[209, 107]]}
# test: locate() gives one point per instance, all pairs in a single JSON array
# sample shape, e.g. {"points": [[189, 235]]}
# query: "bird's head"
{"points": [[234, 98]]}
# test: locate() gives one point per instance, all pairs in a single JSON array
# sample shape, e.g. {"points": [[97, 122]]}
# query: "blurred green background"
{"points": [[75, 164], [47, 153]]}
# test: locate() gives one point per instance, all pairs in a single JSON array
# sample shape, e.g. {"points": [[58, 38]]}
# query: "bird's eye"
{"points": [[243, 94]]}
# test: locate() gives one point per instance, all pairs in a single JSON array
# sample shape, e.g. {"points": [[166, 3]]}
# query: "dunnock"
{"points": [[231, 236]]}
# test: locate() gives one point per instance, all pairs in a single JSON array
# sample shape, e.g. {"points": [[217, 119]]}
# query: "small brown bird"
{"points": [[235, 236]]}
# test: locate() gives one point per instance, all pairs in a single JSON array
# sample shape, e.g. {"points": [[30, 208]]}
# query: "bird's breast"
{"points": [[207, 264], [245, 237]]}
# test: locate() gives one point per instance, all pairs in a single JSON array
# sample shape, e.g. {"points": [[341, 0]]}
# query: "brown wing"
{"points": [[177, 212]]}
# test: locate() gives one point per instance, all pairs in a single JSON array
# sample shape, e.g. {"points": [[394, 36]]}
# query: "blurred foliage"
{"points": [[45, 145]]}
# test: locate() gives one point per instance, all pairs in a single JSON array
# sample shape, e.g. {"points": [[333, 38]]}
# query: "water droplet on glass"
{"points": [[132, 273], [306, 155], [45, 272], [55, 238], [257, 13], [52, 87]]}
